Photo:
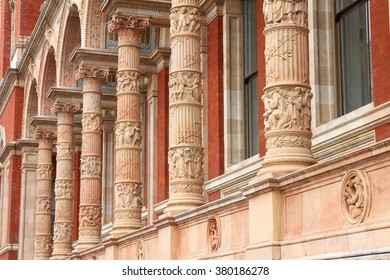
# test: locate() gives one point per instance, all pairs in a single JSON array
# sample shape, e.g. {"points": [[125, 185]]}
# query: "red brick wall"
{"points": [[162, 134], [215, 98], [27, 13], [11, 118], [5, 35], [261, 72], [380, 46]]}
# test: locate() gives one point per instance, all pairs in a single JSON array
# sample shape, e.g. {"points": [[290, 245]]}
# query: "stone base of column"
{"points": [[179, 203], [88, 237], [126, 221], [287, 151], [60, 254]]}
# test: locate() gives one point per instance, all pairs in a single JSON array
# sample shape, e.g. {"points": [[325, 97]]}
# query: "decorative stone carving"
{"points": [[91, 166], [185, 87], [43, 204], [42, 243], [65, 150], [90, 216], [44, 171], [127, 81], [185, 155], [214, 233], [355, 197], [63, 232], [67, 108], [119, 21], [288, 141], [128, 135], [285, 11], [140, 250], [185, 163], [92, 122], [44, 134], [91, 72], [128, 195], [63, 189]]}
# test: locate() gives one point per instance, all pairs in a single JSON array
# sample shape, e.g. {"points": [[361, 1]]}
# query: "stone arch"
{"points": [[48, 79], [70, 38], [30, 107]]}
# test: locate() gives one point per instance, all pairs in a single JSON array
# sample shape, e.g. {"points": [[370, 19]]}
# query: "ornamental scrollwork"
{"points": [[67, 108], [355, 196], [128, 21], [44, 134], [288, 141], [91, 72], [185, 188]]}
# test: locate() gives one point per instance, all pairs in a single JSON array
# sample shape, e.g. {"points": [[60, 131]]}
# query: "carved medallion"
{"points": [[214, 233], [355, 197]]}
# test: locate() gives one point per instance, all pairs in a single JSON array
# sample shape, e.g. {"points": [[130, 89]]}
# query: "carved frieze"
{"points": [[285, 11], [63, 189], [92, 122], [133, 215], [44, 171], [288, 141], [43, 204], [355, 196], [287, 108], [185, 188], [214, 233], [185, 19], [185, 163], [90, 216], [128, 195], [65, 150], [185, 87], [91, 166], [42, 242], [63, 232], [128, 81], [128, 135]]}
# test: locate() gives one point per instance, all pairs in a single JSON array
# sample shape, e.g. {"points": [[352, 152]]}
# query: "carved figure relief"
{"points": [[43, 204], [44, 171], [185, 87], [185, 20], [185, 163], [355, 196], [63, 189], [287, 108], [128, 135], [63, 232], [90, 216], [140, 250], [285, 11], [128, 81], [91, 166], [65, 150], [92, 122], [214, 233], [42, 243], [128, 195]]}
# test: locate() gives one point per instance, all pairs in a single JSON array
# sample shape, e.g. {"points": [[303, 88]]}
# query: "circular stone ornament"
{"points": [[214, 233], [355, 197]]}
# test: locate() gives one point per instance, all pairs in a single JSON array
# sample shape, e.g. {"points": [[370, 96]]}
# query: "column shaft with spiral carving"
{"points": [[90, 212], [42, 230], [287, 95], [63, 224], [185, 155], [128, 185]]}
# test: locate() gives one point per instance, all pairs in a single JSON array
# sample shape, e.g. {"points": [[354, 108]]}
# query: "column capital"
{"points": [[44, 134], [66, 108], [120, 20], [91, 72]]}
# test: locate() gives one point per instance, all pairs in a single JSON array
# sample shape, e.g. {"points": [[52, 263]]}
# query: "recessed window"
{"points": [[353, 23]]}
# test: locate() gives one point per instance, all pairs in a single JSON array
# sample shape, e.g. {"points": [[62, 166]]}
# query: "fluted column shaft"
{"points": [[128, 185], [42, 230], [287, 95], [90, 211], [185, 155], [63, 224]]}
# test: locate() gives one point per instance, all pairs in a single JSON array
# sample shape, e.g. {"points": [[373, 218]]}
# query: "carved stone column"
{"points": [[63, 224], [185, 155], [42, 230], [128, 189], [287, 95], [90, 213]]}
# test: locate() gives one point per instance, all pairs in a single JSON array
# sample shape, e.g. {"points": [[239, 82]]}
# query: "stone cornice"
{"points": [[15, 147], [161, 58], [65, 95], [44, 123], [99, 58], [212, 8], [158, 10]]}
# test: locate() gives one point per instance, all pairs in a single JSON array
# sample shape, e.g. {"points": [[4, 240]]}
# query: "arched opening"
{"points": [[32, 108], [71, 40], [49, 80]]}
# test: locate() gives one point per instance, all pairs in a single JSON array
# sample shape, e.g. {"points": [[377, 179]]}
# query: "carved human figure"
{"points": [[306, 109], [136, 196], [184, 20], [188, 160], [179, 163], [44, 171], [275, 115], [43, 204], [119, 135], [194, 20], [122, 192], [354, 196], [213, 235]]}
